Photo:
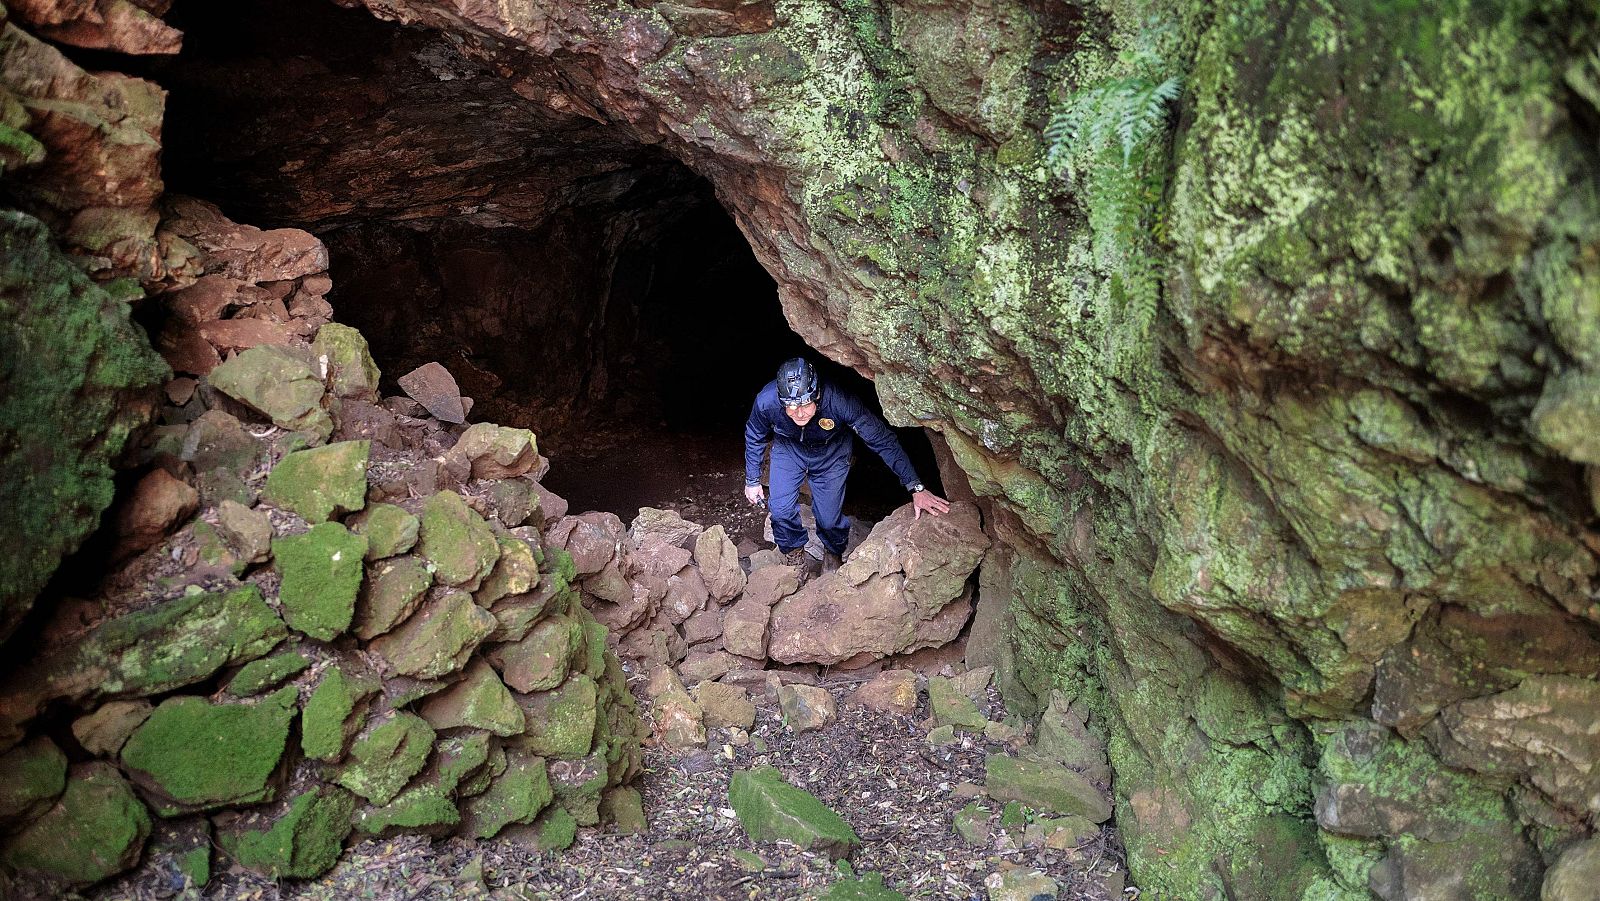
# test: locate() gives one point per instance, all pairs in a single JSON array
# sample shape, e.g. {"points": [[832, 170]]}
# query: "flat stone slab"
{"points": [[435, 388], [771, 809]]}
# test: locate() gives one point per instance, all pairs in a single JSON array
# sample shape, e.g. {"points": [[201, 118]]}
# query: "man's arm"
{"points": [[757, 435]]}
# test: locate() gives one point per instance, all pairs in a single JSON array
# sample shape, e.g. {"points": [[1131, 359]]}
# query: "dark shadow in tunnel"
{"points": [[574, 280]]}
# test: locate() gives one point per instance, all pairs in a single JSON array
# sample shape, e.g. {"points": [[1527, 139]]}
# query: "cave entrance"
{"points": [[574, 280]]}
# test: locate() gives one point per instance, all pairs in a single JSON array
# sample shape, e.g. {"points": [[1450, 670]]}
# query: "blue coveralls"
{"points": [[819, 452]]}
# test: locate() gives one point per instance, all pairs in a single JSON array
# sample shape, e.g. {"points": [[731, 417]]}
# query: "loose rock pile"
{"points": [[337, 617], [677, 594]]}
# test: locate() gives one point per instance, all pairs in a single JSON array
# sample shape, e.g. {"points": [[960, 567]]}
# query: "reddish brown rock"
{"points": [[204, 300], [744, 629], [770, 584], [185, 350], [891, 691], [703, 626], [243, 334], [904, 588], [100, 25], [718, 560], [244, 252], [159, 503], [592, 539], [435, 388], [700, 666], [686, 595]]}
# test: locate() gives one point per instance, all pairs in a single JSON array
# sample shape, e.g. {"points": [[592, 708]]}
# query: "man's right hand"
{"points": [[754, 494]]}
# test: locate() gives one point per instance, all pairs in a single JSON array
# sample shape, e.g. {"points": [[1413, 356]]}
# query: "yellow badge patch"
{"points": [[825, 423]]}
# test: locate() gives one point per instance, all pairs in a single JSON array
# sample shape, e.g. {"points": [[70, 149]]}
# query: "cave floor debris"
{"points": [[876, 769]]}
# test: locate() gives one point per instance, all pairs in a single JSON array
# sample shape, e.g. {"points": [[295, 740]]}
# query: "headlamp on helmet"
{"points": [[797, 383]]}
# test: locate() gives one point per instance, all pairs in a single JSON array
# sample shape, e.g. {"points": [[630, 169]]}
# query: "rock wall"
{"points": [[1293, 471]]}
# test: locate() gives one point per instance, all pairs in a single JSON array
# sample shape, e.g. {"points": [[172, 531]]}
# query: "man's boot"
{"points": [[798, 559]]}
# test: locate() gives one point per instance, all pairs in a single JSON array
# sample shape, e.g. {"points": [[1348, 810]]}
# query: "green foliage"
{"points": [[1104, 140]]}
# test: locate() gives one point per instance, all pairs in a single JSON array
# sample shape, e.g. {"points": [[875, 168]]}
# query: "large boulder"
{"points": [[902, 589], [74, 363]]}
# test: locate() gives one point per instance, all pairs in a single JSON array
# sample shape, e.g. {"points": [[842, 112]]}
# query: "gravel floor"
{"points": [[875, 769]]}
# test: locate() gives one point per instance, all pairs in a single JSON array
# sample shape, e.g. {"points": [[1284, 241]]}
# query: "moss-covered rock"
{"points": [[554, 830], [280, 382], [561, 721], [457, 541], [268, 672], [321, 482], [438, 639], [390, 530], [623, 808], [32, 776], [542, 659], [479, 700], [516, 572], [351, 370], [74, 363], [300, 838], [385, 757], [332, 714], [515, 796], [168, 645], [1044, 785], [392, 591], [192, 755], [322, 572], [96, 829], [771, 809]]}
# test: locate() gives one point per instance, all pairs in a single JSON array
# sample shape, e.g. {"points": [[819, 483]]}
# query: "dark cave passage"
{"points": [[574, 280]]}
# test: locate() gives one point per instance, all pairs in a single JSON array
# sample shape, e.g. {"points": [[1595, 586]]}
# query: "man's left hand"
{"points": [[927, 502]]}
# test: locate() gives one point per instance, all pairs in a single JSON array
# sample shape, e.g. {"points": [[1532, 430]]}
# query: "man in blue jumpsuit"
{"points": [[809, 426]]}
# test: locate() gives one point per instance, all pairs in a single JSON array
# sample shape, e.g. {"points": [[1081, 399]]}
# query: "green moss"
{"points": [[171, 644], [869, 887], [259, 675], [73, 362], [771, 809], [32, 776], [321, 482], [202, 756], [97, 829], [516, 796], [393, 589], [457, 541], [386, 756], [322, 572], [326, 724], [555, 830], [351, 370], [390, 530], [302, 840], [280, 382], [422, 806], [561, 722]]}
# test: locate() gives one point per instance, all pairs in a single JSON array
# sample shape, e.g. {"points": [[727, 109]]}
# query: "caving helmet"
{"points": [[797, 383]]}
